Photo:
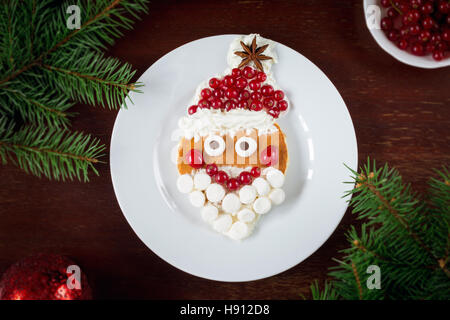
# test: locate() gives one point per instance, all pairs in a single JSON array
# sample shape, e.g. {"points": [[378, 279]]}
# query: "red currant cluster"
{"points": [[232, 184], [420, 26], [242, 89]]}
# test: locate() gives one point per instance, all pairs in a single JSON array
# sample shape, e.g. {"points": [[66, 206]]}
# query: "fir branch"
{"points": [[54, 153], [413, 267]]}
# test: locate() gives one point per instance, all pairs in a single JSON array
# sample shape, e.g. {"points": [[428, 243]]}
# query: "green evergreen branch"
{"points": [[54, 153], [405, 236]]}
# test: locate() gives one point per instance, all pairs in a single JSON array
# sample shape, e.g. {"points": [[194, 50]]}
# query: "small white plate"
{"points": [[320, 138], [426, 62]]}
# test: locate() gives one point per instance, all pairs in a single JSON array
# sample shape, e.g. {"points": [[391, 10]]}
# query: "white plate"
{"points": [[426, 62], [320, 138]]}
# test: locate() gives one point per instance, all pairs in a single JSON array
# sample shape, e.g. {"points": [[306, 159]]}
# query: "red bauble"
{"points": [[44, 277]]}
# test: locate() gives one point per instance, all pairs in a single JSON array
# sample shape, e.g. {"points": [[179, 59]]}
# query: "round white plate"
{"points": [[320, 138], [372, 8]]}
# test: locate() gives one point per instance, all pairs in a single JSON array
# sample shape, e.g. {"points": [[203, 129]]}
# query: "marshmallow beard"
{"points": [[233, 213]]}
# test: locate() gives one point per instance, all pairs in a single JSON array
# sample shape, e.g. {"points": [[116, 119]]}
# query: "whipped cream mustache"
{"points": [[233, 213]]}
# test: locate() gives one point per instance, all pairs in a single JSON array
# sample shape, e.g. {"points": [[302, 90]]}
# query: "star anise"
{"points": [[252, 53]]}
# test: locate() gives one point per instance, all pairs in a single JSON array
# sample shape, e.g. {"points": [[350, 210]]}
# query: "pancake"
{"points": [[231, 158]]}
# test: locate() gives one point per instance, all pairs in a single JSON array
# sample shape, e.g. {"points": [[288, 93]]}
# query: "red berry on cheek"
{"points": [[211, 169], [269, 156], [255, 172], [245, 178], [221, 177], [192, 109], [194, 158]]}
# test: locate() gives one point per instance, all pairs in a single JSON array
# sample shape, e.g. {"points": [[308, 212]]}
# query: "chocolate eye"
{"points": [[245, 146], [214, 145]]}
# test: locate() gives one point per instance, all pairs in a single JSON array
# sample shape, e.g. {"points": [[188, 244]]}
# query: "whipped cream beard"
{"points": [[233, 213], [231, 153]]}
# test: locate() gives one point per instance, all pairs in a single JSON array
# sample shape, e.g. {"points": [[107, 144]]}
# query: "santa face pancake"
{"points": [[232, 156]]}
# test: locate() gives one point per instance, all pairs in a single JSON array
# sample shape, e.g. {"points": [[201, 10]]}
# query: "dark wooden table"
{"points": [[400, 113]]}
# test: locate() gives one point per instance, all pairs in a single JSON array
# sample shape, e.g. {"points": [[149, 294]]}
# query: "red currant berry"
{"points": [[417, 49], [393, 35], [392, 13], [402, 44], [214, 83], [243, 104], [192, 109], [254, 85], [248, 72], [256, 96], [244, 95], [221, 177], [278, 95], [274, 112], [194, 158], [427, 8], [232, 93], [256, 105], [230, 105], [282, 105], [269, 156], [216, 104], [443, 7], [241, 83], [217, 93], [428, 23], [204, 104], [206, 93], [236, 72], [228, 81], [255, 172], [245, 178], [445, 35], [415, 3], [267, 90], [385, 3], [436, 38], [261, 76], [429, 48], [211, 169], [233, 184], [414, 29], [268, 102], [386, 24], [438, 55], [424, 36]]}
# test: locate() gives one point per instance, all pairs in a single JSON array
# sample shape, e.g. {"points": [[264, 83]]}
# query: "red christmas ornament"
{"points": [[44, 277]]}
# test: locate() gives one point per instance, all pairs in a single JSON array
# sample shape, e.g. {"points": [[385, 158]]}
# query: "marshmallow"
{"points": [[209, 213], [246, 215], [262, 205], [275, 178], [247, 194], [215, 192], [222, 223], [197, 198], [261, 185], [201, 181], [238, 231], [277, 196], [231, 203], [185, 183]]}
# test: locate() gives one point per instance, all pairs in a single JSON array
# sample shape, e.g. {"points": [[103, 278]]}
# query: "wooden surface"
{"points": [[400, 113]]}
